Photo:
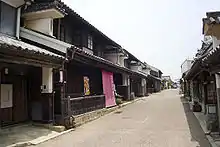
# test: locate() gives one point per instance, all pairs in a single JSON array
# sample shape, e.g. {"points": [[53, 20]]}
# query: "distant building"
{"points": [[166, 82], [168, 78]]}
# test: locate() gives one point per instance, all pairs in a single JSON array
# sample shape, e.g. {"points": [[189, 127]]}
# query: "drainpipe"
{"points": [[117, 57], [18, 23], [26, 4]]}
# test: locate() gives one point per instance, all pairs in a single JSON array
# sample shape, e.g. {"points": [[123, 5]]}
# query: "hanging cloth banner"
{"points": [[108, 88]]}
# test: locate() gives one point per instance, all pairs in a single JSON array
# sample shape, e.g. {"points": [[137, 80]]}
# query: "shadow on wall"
{"points": [[196, 131]]}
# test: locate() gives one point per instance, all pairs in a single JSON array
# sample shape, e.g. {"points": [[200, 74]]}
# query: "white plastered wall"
{"points": [[44, 25], [47, 80]]}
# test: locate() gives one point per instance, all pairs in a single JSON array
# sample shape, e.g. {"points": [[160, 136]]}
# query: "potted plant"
{"points": [[197, 107]]}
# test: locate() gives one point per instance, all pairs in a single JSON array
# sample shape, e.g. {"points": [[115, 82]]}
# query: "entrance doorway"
{"points": [[19, 86]]}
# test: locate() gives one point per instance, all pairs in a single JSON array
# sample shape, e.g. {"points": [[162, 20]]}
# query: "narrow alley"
{"points": [[160, 120]]}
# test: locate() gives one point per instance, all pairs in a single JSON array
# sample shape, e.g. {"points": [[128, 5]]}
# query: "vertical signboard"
{"points": [[86, 86]]}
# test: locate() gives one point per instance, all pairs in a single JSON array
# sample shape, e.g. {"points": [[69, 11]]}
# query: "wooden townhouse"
{"points": [[87, 80], [147, 78], [156, 78], [55, 65], [203, 77], [25, 71], [185, 68]]}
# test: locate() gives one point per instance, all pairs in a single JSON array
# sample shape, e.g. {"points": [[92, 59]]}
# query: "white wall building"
{"points": [[186, 65], [116, 58]]}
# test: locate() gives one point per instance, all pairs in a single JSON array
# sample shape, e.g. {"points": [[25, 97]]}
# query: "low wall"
{"points": [[87, 117], [78, 120]]}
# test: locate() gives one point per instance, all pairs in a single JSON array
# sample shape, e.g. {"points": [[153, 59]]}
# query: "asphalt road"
{"points": [[160, 120]]}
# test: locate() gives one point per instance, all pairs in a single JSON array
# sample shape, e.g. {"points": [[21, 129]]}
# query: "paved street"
{"points": [[160, 120]]}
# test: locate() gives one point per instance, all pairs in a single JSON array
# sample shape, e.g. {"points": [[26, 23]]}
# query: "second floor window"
{"points": [[90, 42], [7, 19], [62, 32]]}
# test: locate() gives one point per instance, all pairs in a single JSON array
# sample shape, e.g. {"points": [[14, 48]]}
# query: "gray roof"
{"points": [[4, 40], [63, 8], [43, 6], [156, 78], [99, 59], [211, 18], [211, 53], [155, 69]]}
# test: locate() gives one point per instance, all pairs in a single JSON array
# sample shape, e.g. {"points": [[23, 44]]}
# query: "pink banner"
{"points": [[108, 88]]}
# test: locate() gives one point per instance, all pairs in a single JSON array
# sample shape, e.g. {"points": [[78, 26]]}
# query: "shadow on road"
{"points": [[195, 129]]}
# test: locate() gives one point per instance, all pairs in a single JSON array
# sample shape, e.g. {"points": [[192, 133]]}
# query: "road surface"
{"points": [[160, 120]]}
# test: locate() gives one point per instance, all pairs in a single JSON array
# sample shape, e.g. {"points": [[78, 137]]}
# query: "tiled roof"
{"points": [[202, 55], [195, 69], [156, 78], [4, 40], [72, 12], [212, 17], [204, 51], [107, 62], [211, 53], [131, 56], [99, 59], [58, 4], [145, 65], [43, 6], [141, 74]]}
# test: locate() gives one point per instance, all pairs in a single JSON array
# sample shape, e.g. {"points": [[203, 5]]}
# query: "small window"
{"points": [[77, 38], [90, 42], [8, 19], [62, 32], [51, 25], [55, 28]]}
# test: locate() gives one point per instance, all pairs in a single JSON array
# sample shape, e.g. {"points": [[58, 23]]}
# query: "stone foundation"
{"points": [[90, 116], [78, 120]]}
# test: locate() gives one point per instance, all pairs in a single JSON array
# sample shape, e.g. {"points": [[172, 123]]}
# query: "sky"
{"points": [[162, 33]]}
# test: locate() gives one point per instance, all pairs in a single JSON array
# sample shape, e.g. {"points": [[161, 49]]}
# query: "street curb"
{"points": [[35, 142], [210, 139], [130, 102]]}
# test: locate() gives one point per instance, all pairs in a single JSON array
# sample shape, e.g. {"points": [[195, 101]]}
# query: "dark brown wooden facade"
{"points": [[22, 67], [28, 103]]}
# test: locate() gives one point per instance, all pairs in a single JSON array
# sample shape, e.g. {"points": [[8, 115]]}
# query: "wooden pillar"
{"points": [[0, 102], [47, 95], [64, 102], [217, 79], [126, 86]]}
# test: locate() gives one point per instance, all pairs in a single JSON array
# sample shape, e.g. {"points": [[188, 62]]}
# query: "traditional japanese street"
{"points": [[160, 120], [75, 73]]}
